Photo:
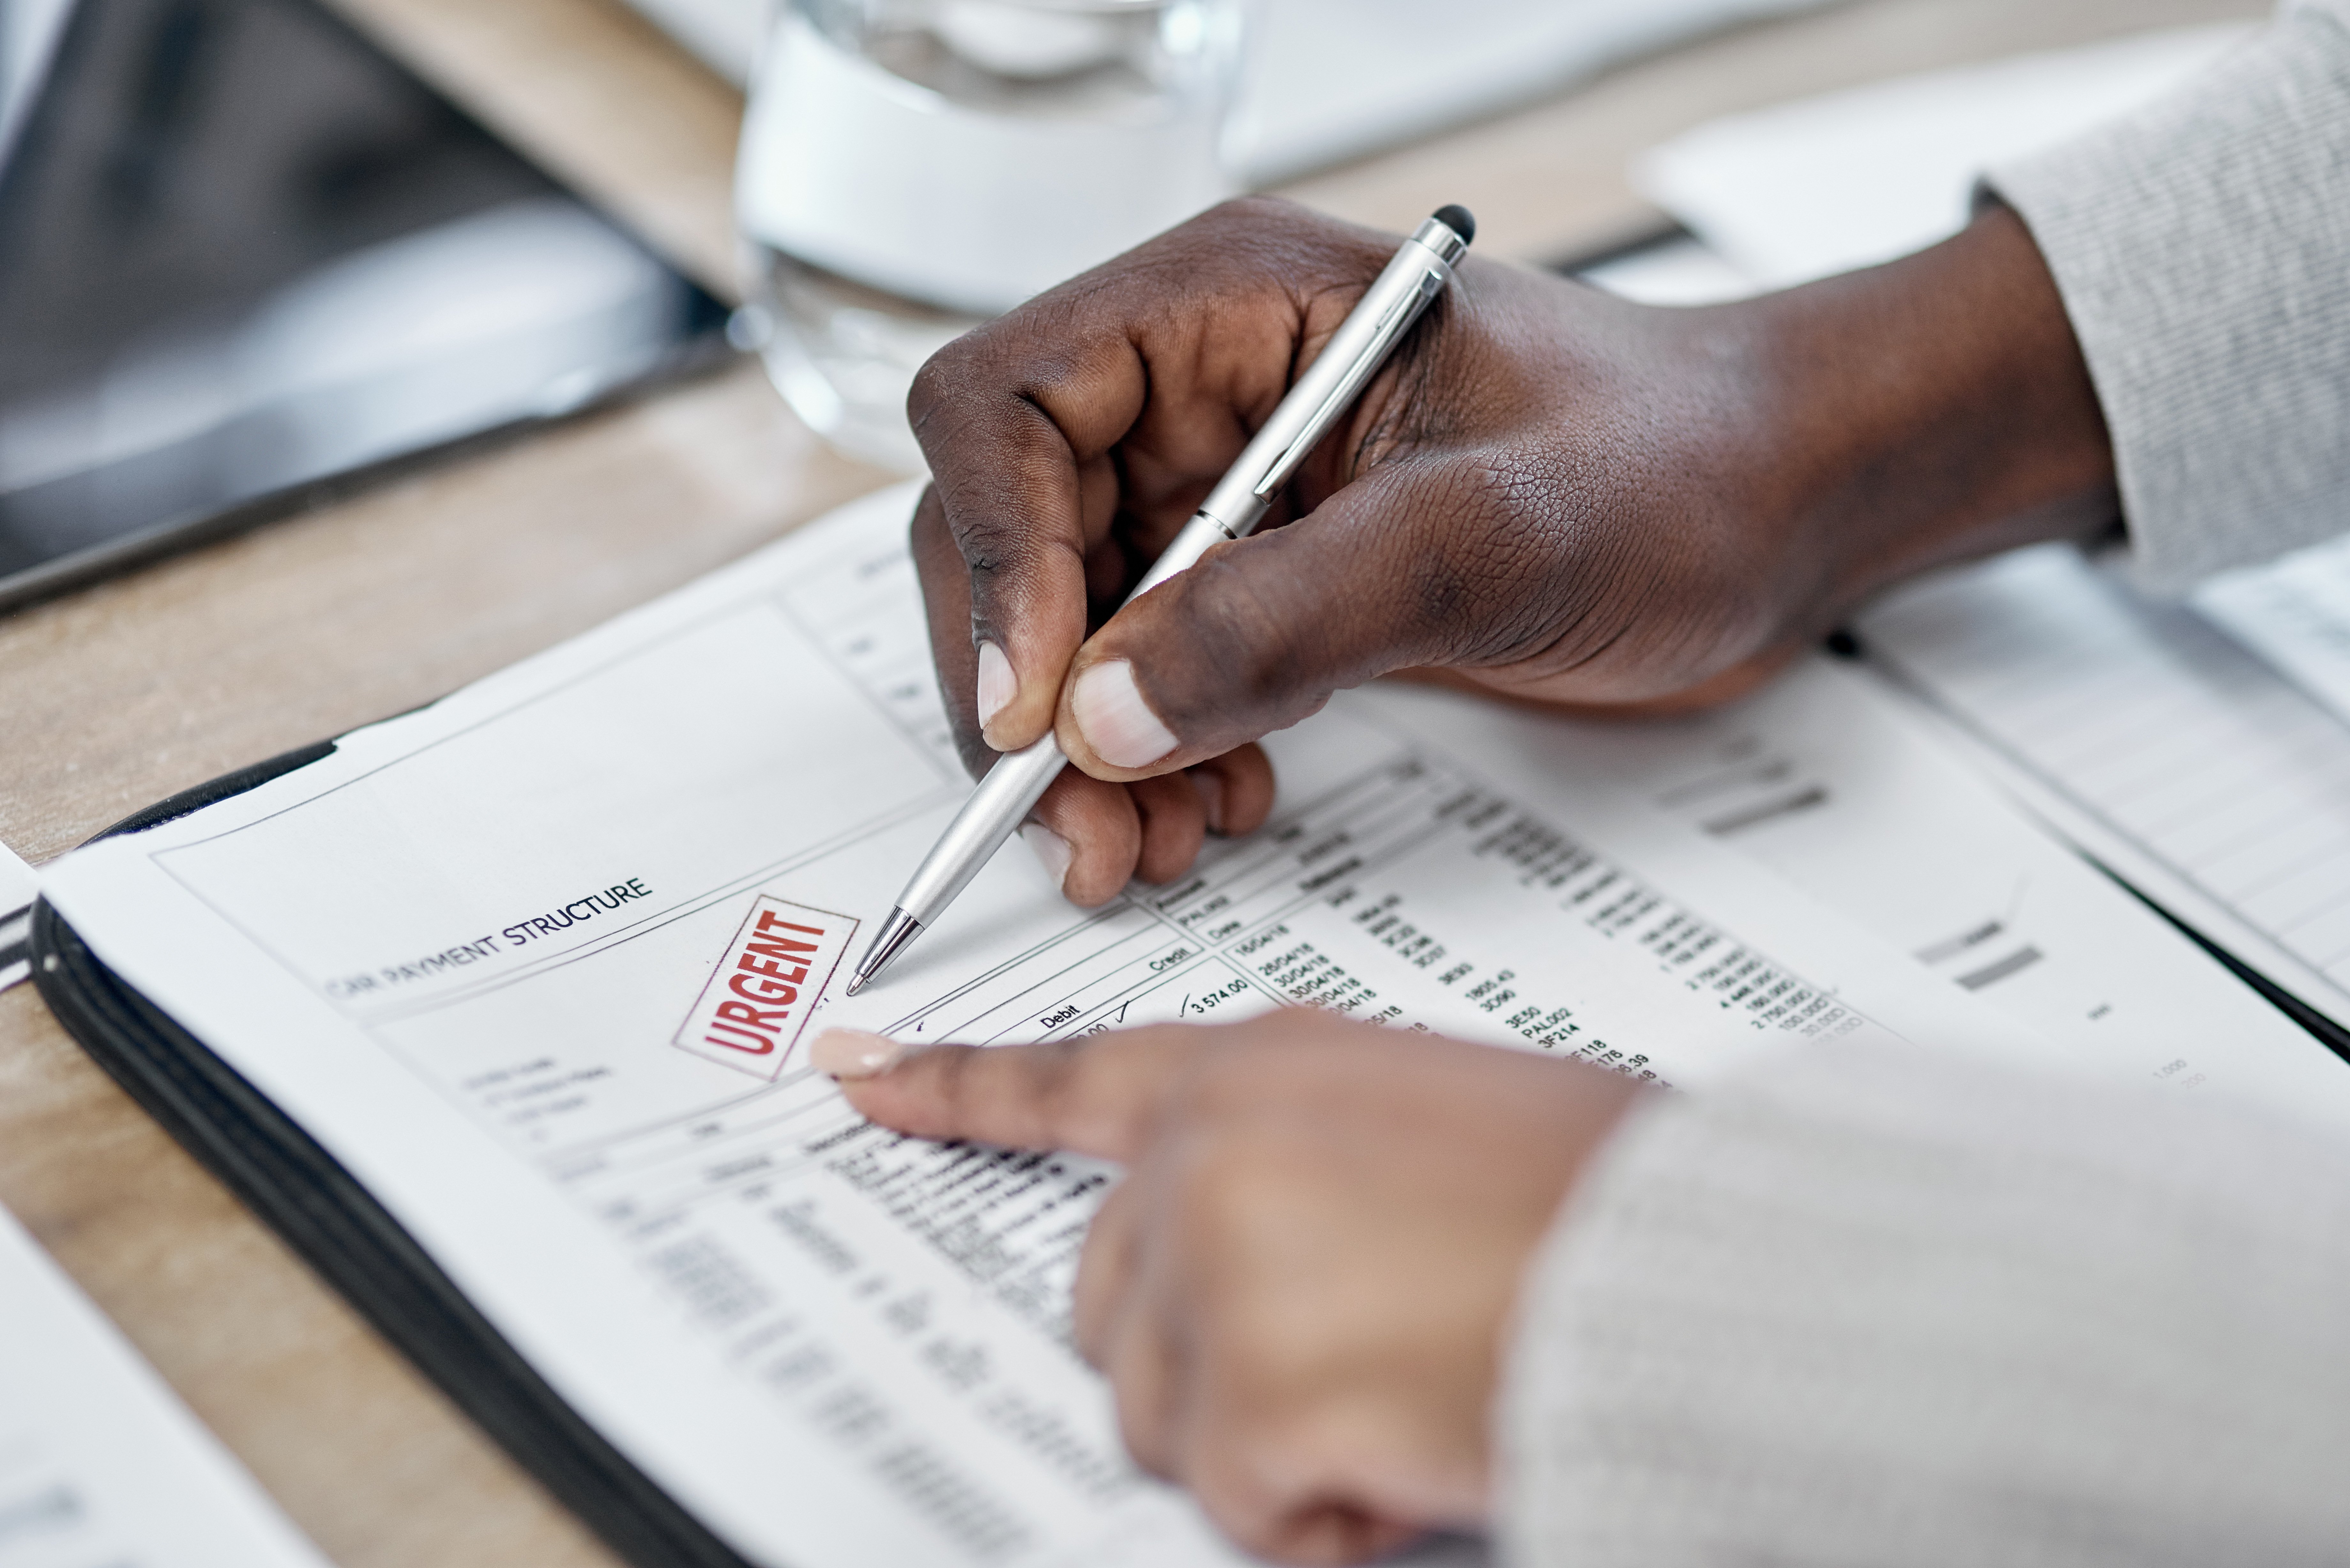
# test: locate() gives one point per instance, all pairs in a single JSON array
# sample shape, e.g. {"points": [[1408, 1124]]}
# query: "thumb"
{"points": [[1385, 575], [1101, 1096]]}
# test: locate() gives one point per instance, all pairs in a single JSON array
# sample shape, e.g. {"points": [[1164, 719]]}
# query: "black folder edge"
{"points": [[349, 1239], [2319, 1026]]}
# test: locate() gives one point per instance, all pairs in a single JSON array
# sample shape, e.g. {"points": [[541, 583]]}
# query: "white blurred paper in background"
{"points": [[1337, 78], [1331, 79], [100, 1465], [1849, 178]]}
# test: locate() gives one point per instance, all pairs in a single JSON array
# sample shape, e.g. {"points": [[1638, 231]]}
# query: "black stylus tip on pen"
{"points": [[1459, 219]]}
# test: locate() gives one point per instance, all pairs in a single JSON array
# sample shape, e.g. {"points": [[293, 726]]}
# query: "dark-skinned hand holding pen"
{"points": [[1547, 494]]}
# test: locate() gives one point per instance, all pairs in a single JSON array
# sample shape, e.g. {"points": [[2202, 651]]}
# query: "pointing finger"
{"points": [[1101, 1096]]}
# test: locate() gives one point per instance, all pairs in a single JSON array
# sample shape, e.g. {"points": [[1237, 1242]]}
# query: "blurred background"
{"points": [[508, 316], [258, 254]]}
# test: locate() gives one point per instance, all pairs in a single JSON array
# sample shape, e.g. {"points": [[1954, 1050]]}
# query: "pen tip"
{"points": [[896, 932]]}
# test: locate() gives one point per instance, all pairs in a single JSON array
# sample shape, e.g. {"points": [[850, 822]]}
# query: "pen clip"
{"points": [[1397, 319]]}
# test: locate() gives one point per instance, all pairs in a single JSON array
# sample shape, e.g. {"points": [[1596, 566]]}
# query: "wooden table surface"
{"points": [[127, 691]]}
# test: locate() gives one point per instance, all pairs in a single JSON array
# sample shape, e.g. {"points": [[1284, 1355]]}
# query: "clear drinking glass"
{"points": [[910, 168]]}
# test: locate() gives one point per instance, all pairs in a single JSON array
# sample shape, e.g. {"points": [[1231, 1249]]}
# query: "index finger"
{"points": [[1101, 1096], [1113, 401], [1013, 449]]}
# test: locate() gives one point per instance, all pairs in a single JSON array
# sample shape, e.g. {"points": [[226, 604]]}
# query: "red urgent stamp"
{"points": [[758, 1000]]}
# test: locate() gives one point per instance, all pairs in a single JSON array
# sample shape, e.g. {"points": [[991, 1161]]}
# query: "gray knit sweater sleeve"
{"points": [[2202, 247], [1874, 1307]]}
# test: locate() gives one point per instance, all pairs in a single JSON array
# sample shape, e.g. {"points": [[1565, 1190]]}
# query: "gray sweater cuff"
{"points": [[1861, 1306], [2202, 248]]}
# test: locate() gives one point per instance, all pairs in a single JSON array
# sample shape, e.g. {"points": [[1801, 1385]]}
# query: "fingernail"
{"points": [[1212, 797], [853, 1054], [1117, 722], [1051, 850], [997, 685]]}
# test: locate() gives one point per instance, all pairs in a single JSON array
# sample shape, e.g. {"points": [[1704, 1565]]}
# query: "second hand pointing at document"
{"points": [[1419, 271]]}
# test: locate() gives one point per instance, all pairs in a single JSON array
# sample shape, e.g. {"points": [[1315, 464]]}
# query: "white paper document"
{"points": [[100, 1465], [2294, 612], [2148, 737], [540, 965]]}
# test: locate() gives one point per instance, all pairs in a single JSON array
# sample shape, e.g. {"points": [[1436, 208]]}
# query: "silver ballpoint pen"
{"points": [[1001, 801]]}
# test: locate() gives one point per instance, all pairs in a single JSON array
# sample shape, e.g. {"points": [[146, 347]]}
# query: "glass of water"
{"points": [[910, 168]]}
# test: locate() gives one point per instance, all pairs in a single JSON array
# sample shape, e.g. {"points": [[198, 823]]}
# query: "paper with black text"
{"points": [[539, 964], [100, 1465], [2150, 738]]}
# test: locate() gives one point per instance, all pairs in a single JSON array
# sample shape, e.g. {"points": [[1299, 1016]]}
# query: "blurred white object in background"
{"points": [[99, 1462], [909, 168], [1678, 270], [912, 167], [1783, 195], [29, 30], [1849, 178], [1330, 79], [724, 34]]}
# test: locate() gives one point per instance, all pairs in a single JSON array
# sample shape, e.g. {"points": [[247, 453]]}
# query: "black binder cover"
{"points": [[281, 1174]]}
